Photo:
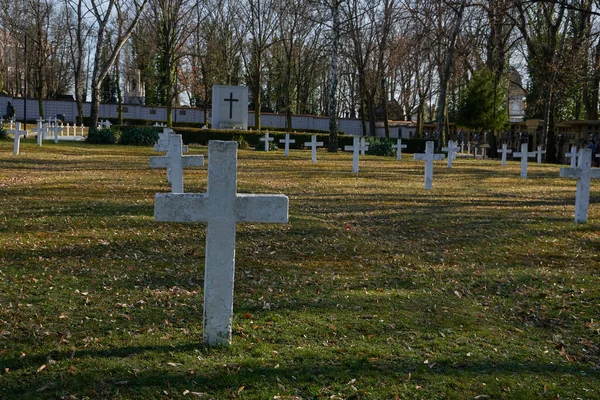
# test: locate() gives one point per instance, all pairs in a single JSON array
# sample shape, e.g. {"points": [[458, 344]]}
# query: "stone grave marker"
{"points": [[584, 173], [505, 150], [573, 156], [524, 154], [313, 144], [163, 146], [55, 128], [399, 146], [222, 208], [176, 161], [539, 154], [41, 130], [18, 133], [287, 142], [266, 139], [355, 149], [428, 157], [364, 146], [452, 148], [229, 107], [462, 147], [469, 148]]}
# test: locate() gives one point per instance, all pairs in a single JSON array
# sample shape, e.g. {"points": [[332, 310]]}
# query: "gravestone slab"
{"points": [[313, 144], [222, 208], [229, 107], [524, 154], [505, 150], [287, 142], [584, 173], [176, 161], [399, 146], [428, 157]]}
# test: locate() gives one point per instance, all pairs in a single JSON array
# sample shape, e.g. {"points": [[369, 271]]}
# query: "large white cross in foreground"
{"points": [[584, 174], [176, 161], [429, 157], [287, 142], [524, 154], [222, 207], [505, 150], [451, 149], [313, 144], [18, 133], [399, 146]]}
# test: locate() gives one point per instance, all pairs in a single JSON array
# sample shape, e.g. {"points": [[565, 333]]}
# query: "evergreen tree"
{"points": [[479, 108]]}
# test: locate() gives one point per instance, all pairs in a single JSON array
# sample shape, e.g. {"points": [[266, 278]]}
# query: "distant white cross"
{"points": [[524, 154], [428, 157], [56, 129], [177, 162], [266, 139], [313, 144], [505, 150], [469, 148], [452, 148], [287, 142], [462, 147], [222, 208], [364, 146], [163, 146], [355, 148], [41, 131], [539, 154], [584, 174], [573, 156], [18, 133], [399, 146]]}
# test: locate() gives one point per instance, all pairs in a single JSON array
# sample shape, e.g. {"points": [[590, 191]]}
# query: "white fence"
{"points": [[69, 110]]}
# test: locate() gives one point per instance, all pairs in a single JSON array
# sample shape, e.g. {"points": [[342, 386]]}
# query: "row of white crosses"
{"points": [[222, 208], [174, 161]]}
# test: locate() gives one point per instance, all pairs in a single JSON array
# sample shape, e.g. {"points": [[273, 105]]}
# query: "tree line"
{"points": [[368, 59]]}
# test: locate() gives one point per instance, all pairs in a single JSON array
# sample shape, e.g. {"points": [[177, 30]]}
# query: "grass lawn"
{"points": [[483, 288]]}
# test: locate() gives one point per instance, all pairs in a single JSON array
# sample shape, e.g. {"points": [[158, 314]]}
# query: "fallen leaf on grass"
{"points": [[40, 369]]}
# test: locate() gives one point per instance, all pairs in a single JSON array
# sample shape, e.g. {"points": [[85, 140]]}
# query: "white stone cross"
{"points": [[313, 144], [163, 146], [451, 149], [505, 150], [176, 161], [287, 142], [41, 131], [355, 148], [573, 156], [584, 174], [539, 154], [266, 139], [18, 133], [55, 128], [524, 154], [462, 147], [429, 157], [469, 148], [399, 146], [364, 146], [222, 208]]}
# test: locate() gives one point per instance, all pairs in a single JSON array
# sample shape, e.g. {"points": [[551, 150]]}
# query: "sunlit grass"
{"points": [[376, 288]]}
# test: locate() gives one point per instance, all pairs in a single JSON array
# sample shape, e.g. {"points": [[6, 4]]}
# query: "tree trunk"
{"points": [[333, 127]]}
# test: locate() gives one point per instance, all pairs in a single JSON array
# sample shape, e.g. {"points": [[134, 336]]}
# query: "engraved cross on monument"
{"points": [[584, 174], [429, 157], [222, 208], [229, 107]]}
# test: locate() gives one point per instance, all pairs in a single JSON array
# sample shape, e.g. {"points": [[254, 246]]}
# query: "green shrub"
{"points": [[103, 136], [261, 146], [139, 136], [242, 144], [3, 133], [380, 147]]}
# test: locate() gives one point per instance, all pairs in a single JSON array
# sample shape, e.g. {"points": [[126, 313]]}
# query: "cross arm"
{"points": [[159, 162], [439, 157], [570, 173], [181, 207], [193, 161], [270, 208]]}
